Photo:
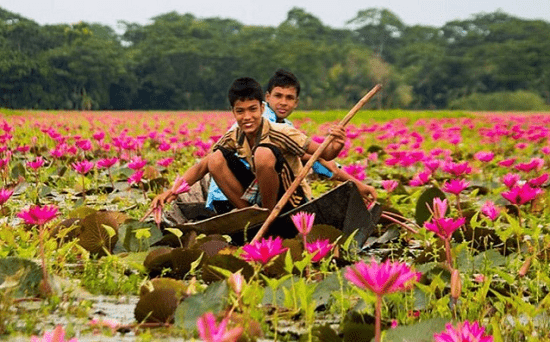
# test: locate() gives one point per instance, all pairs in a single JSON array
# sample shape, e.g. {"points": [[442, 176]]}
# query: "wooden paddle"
{"points": [[279, 206]]}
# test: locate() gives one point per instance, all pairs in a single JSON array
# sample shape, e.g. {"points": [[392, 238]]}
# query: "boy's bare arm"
{"points": [[332, 150]]}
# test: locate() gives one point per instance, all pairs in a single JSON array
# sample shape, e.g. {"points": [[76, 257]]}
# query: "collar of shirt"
{"points": [[271, 116]]}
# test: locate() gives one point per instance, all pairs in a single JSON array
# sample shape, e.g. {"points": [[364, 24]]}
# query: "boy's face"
{"points": [[248, 114], [282, 100]]}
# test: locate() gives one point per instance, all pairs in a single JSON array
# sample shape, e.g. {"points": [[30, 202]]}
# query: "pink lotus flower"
{"points": [[112, 324], [382, 279], [356, 170], [539, 181], [84, 145], [180, 186], [507, 162], [83, 167], [164, 146], [303, 221], [137, 163], [135, 178], [519, 195], [439, 208], [389, 185], [107, 162], [38, 215], [432, 164], [210, 331], [488, 209], [5, 195], [463, 332], [457, 169], [455, 186], [444, 227], [36, 164], [57, 335], [263, 251], [165, 162], [319, 248], [484, 156], [99, 135], [510, 179], [236, 282], [23, 148], [420, 178], [533, 164]]}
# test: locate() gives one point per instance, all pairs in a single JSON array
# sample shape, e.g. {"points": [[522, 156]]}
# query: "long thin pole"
{"points": [[279, 206]]}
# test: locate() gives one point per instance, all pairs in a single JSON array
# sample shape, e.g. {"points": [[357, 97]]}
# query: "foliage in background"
{"points": [[181, 62]]}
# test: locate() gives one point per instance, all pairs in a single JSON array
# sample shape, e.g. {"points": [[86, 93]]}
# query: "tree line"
{"points": [[181, 62]]}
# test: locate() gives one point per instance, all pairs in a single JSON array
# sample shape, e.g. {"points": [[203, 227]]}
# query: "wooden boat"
{"points": [[341, 207]]}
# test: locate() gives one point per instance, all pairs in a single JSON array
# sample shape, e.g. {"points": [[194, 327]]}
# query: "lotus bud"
{"points": [[525, 267], [456, 284], [236, 281]]}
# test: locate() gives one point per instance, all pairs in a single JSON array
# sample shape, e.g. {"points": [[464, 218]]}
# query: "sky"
{"points": [[268, 13]]}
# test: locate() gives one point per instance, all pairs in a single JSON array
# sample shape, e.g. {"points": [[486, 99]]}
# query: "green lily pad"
{"points": [[21, 274]]}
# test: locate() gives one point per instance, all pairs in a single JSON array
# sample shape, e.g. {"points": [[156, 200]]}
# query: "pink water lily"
{"points": [[320, 248], [539, 181], [439, 207], [490, 210], [137, 163], [180, 186], [519, 195], [36, 163], [107, 162], [420, 178], [384, 278], [135, 178], [264, 250], [83, 166], [57, 335], [210, 331], [484, 156], [511, 179], [463, 332], [389, 185], [303, 221], [38, 215], [5, 194], [444, 227], [455, 186], [457, 169]]}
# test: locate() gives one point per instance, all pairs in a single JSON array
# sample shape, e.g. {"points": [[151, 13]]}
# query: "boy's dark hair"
{"points": [[283, 79], [245, 88]]}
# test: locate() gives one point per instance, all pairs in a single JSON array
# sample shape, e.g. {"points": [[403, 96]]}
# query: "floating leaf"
{"points": [[23, 274], [94, 237], [157, 306], [418, 332], [227, 262], [213, 299], [133, 242]]}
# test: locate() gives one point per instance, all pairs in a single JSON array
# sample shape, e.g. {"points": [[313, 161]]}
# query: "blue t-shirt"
{"points": [[215, 193]]}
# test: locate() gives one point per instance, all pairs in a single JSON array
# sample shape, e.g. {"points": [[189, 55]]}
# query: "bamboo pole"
{"points": [[279, 206]]}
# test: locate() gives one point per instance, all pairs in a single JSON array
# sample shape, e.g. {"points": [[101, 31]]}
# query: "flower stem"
{"points": [[378, 318], [448, 252]]}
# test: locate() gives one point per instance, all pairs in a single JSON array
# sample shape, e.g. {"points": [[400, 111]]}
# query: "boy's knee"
{"points": [[264, 158], [216, 160]]}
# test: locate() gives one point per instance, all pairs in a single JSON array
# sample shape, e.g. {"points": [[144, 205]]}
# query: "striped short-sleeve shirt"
{"points": [[290, 141]]}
